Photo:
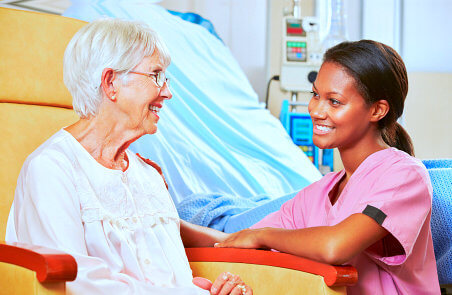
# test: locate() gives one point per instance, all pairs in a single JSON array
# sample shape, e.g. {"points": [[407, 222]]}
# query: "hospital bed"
{"points": [[34, 104]]}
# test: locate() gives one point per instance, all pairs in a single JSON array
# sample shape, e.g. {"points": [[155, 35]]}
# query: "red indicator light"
{"points": [[295, 31]]}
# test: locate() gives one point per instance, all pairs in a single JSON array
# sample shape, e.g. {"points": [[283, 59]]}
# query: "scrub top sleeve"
{"points": [[400, 201], [286, 216]]}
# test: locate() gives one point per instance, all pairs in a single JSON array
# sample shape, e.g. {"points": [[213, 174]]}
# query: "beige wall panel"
{"points": [[428, 114]]}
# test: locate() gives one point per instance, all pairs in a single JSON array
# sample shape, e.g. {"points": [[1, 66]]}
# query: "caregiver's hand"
{"points": [[247, 238]]}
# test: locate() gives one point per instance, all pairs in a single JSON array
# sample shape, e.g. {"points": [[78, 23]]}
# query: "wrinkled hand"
{"points": [[202, 283], [247, 238], [225, 284]]}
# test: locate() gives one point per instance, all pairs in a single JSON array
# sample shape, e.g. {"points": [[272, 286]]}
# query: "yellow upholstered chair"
{"points": [[34, 104]]}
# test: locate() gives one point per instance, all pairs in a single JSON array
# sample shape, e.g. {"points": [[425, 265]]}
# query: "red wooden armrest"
{"points": [[333, 275], [50, 265]]}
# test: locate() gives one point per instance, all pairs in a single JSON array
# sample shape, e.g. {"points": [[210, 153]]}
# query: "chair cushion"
{"points": [[29, 125]]}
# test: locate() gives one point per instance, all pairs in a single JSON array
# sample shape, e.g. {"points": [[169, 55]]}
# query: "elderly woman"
{"points": [[84, 192]]}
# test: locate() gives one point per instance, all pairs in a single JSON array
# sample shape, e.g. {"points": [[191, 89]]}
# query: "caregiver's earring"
{"points": [[113, 97]]}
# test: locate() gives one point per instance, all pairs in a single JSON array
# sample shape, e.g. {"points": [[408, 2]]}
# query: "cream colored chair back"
{"points": [[34, 103]]}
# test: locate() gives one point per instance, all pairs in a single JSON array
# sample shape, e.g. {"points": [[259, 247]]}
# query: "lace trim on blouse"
{"points": [[128, 222], [126, 206]]}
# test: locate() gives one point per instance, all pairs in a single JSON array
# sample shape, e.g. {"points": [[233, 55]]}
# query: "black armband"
{"points": [[375, 213]]}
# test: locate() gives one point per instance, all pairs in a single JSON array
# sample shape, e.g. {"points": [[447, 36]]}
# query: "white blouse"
{"points": [[121, 227]]}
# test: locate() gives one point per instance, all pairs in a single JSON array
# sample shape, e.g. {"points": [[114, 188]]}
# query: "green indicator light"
{"points": [[303, 44]]}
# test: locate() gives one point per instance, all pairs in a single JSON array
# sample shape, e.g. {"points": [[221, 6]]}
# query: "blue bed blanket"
{"points": [[215, 141], [440, 171], [228, 213]]}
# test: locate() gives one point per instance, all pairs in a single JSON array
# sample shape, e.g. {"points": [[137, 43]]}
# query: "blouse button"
{"points": [[147, 261], [124, 178], [134, 219]]}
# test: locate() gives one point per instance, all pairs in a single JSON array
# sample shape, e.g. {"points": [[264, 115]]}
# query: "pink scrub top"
{"points": [[394, 189]]}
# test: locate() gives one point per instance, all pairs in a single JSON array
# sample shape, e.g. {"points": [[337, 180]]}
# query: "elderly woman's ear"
{"points": [[107, 79]]}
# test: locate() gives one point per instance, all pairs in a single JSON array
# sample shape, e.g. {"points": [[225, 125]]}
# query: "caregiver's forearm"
{"points": [[199, 236]]}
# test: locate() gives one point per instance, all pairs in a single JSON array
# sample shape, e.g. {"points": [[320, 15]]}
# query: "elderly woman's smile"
{"points": [[155, 109]]}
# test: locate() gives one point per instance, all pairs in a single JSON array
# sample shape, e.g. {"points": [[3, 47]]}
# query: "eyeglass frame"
{"points": [[155, 75]]}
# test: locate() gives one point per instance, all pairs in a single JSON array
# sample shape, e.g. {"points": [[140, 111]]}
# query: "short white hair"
{"points": [[106, 43]]}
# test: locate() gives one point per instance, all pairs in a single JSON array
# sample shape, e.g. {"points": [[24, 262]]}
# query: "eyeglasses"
{"points": [[160, 78]]}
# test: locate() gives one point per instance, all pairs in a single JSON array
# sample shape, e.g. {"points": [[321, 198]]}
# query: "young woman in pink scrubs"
{"points": [[375, 213]]}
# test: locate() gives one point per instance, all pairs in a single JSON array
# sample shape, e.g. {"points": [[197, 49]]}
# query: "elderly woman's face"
{"points": [[140, 99]]}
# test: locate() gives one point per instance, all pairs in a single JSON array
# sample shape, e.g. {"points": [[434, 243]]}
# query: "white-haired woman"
{"points": [[84, 192]]}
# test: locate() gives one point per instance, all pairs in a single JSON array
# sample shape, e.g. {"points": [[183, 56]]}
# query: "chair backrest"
{"points": [[34, 103]]}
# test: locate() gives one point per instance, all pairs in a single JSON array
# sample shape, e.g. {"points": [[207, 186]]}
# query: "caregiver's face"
{"points": [[340, 115]]}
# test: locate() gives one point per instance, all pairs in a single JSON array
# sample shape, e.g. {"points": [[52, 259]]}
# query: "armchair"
{"points": [[34, 104]]}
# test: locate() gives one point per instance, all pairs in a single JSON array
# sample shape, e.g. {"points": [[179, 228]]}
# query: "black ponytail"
{"points": [[396, 136], [379, 74]]}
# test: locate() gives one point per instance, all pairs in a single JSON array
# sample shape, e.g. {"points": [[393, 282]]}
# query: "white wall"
{"points": [[427, 51], [420, 30], [242, 25], [427, 35], [428, 111]]}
